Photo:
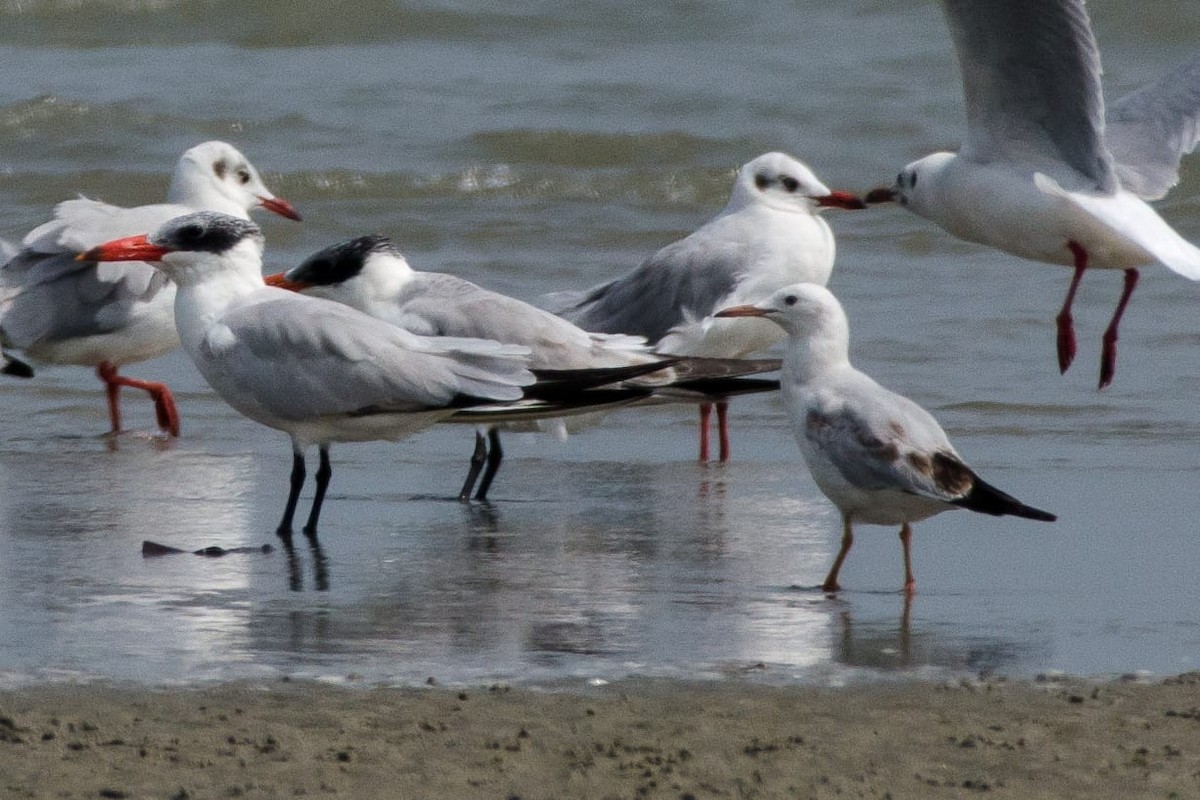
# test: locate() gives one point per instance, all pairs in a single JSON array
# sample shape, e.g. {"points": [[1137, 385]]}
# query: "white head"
{"points": [[214, 176], [810, 314], [915, 185], [193, 247], [784, 183]]}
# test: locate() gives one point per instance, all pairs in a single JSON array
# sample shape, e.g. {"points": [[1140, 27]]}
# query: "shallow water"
{"points": [[540, 148]]}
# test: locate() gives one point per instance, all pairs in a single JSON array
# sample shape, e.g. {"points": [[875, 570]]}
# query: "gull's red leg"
{"points": [[705, 413], [910, 582], [106, 371], [831, 580], [164, 402], [1108, 356], [723, 430], [1066, 328]]}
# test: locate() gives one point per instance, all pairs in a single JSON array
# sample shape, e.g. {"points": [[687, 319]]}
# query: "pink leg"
{"points": [[910, 582], [1108, 357], [1066, 328], [831, 580], [705, 413], [723, 429], [164, 403], [112, 390]]}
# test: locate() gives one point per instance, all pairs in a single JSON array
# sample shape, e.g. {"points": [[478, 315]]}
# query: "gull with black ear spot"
{"points": [[59, 309], [1046, 172], [878, 456], [769, 235]]}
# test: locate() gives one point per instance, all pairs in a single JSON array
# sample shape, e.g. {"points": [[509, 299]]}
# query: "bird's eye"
{"points": [[762, 181], [790, 184], [243, 175], [899, 178], [791, 300], [190, 233]]}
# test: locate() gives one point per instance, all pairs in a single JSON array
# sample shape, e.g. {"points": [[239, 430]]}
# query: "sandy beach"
{"points": [[1059, 739]]}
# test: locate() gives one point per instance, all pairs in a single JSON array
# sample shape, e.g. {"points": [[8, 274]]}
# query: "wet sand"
{"points": [[637, 739]]}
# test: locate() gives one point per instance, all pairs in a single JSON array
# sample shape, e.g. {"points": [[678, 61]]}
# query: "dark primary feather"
{"points": [[987, 499], [15, 367]]}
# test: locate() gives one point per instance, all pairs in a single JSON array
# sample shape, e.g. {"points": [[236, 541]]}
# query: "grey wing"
{"points": [[436, 304], [1152, 128], [1031, 82], [47, 298], [46, 295], [687, 279], [324, 359], [902, 451], [83, 223]]}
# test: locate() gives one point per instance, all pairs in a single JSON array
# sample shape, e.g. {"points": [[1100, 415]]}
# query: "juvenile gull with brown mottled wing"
{"points": [[880, 457]]}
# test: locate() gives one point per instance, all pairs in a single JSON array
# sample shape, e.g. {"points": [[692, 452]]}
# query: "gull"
{"points": [[370, 274], [769, 235], [878, 456], [318, 371], [57, 309], [1044, 173]]}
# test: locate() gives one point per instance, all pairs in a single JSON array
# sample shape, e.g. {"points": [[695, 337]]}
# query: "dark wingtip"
{"points": [[987, 499], [1028, 512], [16, 368]]}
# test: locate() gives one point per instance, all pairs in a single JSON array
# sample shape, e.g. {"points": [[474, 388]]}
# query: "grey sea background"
{"points": [[535, 146]]}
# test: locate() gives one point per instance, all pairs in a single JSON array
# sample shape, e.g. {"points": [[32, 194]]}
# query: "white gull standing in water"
{"points": [[57, 309], [878, 456], [1044, 173], [769, 235]]}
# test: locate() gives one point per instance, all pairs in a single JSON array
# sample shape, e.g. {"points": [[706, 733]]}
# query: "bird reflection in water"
{"points": [[320, 565]]}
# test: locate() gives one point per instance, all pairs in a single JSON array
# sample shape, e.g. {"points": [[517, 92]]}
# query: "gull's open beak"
{"points": [[741, 311], [884, 194], [280, 206], [131, 248], [279, 280], [841, 199]]}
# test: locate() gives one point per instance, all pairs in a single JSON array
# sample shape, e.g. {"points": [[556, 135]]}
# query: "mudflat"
{"points": [[655, 739]]}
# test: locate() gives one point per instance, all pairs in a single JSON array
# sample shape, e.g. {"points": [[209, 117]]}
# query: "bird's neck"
{"points": [[204, 198], [202, 300], [810, 355]]}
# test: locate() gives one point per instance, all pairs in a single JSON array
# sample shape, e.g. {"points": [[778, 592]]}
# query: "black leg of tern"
{"points": [[477, 459], [494, 457], [323, 474], [285, 525]]}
